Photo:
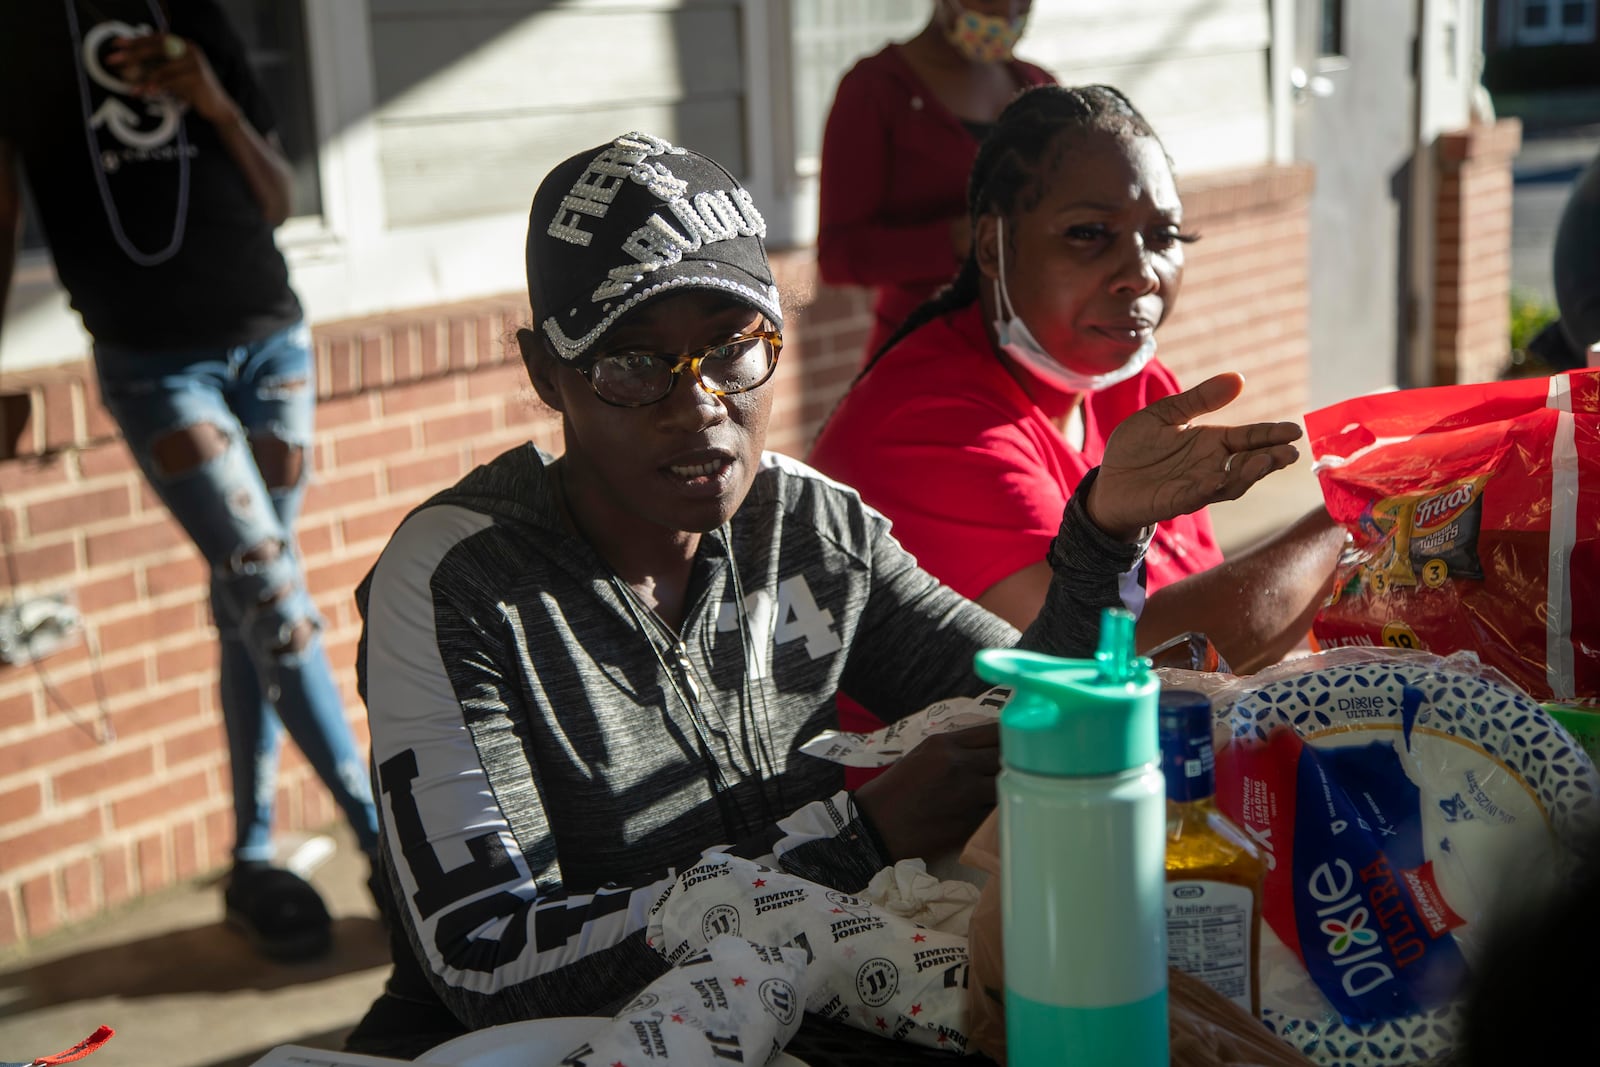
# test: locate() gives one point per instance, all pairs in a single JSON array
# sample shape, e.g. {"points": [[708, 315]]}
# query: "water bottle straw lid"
{"points": [[1117, 656], [1080, 717]]}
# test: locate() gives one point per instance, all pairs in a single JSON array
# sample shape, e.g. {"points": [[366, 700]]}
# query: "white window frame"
{"points": [[766, 93], [1553, 32], [786, 180], [352, 219], [339, 67], [349, 262]]}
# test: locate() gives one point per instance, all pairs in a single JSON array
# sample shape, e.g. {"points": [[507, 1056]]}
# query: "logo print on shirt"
{"points": [[116, 116], [166, 143], [794, 616]]}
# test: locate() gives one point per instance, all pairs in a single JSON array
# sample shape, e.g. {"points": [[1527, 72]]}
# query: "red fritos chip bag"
{"points": [[1475, 517]]}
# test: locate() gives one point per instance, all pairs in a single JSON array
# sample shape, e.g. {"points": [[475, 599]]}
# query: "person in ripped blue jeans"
{"points": [[158, 181]]}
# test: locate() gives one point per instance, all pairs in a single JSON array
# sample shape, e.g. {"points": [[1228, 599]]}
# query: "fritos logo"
{"points": [[1436, 509], [1434, 533]]}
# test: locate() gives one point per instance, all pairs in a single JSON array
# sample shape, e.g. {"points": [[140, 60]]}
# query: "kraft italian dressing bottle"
{"points": [[1214, 872], [1082, 850]]}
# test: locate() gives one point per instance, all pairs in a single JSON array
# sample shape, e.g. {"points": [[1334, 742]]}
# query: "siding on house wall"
{"points": [[471, 101], [1197, 69], [477, 100]]}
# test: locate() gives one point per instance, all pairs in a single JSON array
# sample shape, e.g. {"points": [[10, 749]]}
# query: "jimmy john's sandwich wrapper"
{"points": [[866, 967], [730, 1000]]}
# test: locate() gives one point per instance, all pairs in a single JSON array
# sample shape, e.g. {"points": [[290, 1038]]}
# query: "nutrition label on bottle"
{"points": [[1208, 935]]}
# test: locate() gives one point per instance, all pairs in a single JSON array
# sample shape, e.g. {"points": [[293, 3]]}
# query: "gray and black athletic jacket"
{"points": [[546, 757]]}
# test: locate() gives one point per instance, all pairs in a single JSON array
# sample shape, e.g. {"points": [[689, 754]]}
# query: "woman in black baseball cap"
{"points": [[582, 672]]}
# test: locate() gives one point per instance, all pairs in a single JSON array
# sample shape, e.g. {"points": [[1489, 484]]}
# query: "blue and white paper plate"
{"points": [[1501, 787]]}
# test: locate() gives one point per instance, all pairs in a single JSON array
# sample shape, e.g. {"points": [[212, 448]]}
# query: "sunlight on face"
{"points": [[684, 463], [1095, 265]]}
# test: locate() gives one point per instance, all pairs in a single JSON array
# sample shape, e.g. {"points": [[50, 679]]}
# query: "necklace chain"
{"points": [[635, 603], [692, 702], [102, 181]]}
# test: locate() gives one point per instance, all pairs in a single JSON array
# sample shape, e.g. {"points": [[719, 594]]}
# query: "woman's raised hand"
{"points": [[1157, 466]]}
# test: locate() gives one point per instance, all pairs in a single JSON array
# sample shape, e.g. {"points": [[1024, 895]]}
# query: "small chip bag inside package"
{"points": [[865, 967], [729, 1001], [1400, 799], [1474, 516]]}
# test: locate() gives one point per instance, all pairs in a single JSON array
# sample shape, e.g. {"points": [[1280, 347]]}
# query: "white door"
{"points": [[1355, 115]]}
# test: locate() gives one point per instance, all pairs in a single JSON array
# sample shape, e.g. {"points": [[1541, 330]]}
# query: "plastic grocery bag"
{"points": [[1475, 517]]}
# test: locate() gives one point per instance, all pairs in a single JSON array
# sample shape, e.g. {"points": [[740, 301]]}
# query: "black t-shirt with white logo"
{"points": [[153, 227]]}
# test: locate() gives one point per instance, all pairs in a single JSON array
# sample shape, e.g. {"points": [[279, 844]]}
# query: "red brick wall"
{"points": [[409, 402], [1244, 303], [1472, 288]]}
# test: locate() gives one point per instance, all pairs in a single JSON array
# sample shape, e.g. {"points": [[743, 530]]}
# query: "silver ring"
{"points": [[1227, 464], [175, 47]]}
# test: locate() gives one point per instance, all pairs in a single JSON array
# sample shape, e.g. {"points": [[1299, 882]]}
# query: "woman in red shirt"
{"points": [[998, 395], [901, 138]]}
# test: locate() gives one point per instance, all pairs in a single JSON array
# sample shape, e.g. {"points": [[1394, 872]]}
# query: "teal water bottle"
{"points": [[1082, 852]]}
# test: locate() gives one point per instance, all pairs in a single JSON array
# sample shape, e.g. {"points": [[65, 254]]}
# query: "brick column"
{"points": [[1472, 278], [1246, 296]]}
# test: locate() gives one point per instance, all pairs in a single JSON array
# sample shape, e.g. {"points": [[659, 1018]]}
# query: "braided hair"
{"points": [[1013, 163]]}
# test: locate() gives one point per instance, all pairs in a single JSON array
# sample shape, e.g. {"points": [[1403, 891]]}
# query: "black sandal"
{"points": [[278, 912]]}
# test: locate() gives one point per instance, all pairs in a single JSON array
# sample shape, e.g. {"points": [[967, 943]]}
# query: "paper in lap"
{"points": [[867, 968], [882, 747], [908, 890]]}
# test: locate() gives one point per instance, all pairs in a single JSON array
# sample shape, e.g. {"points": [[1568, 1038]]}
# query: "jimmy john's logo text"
{"points": [[938, 957], [705, 874], [854, 925], [711, 994], [774, 901]]}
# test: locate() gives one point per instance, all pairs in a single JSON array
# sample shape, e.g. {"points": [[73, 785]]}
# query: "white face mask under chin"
{"points": [[1018, 342]]}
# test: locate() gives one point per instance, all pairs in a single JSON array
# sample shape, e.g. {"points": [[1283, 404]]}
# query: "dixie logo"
{"points": [[1352, 944]]}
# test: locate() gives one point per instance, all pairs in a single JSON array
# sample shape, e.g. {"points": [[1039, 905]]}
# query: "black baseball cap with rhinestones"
{"points": [[634, 219]]}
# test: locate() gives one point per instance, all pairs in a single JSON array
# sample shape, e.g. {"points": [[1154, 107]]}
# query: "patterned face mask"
{"points": [[984, 38]]}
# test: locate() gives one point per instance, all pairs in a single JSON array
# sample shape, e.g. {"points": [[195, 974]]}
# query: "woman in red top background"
{"points": [[900, 141]]}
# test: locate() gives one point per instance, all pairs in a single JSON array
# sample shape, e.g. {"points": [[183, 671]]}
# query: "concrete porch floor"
{"points": [[183, 990]]}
